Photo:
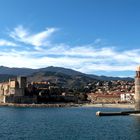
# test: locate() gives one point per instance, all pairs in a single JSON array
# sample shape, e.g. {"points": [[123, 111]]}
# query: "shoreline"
{"points": [[40, 105], [131, 106]]}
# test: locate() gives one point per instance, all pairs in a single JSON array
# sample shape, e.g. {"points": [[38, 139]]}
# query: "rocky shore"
{"points": [[69, 105]]}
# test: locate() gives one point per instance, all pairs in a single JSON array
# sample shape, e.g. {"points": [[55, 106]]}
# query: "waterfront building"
{"points": [[14, 90], [127, 97], [103, 98]]}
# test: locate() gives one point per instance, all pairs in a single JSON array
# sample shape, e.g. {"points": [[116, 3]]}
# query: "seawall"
{"points": [[132, 106]]}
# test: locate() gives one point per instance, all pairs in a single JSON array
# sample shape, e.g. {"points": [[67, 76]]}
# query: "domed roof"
{"points": [[138, 68]]}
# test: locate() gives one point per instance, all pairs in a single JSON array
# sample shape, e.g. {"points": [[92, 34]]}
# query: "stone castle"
{"points": [[13, 91]]}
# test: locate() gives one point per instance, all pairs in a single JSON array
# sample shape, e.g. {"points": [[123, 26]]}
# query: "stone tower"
{"points": [[22, 81], [137, 89]]}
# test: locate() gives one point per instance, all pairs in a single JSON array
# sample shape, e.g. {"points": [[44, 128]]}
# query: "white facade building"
{"points": [[128, 97]]}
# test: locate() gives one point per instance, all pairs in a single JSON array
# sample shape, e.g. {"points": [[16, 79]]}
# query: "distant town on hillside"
{"points": [[56, 84]]}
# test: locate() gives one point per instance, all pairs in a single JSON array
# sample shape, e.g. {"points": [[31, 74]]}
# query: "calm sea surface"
{"points": [[66, 124]]}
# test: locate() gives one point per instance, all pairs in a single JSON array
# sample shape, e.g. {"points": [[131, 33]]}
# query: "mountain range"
{"points": [[57, 75]]}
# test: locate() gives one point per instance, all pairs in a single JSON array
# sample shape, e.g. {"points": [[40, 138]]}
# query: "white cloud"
{"points": [[104, 59], [88, 58], [7, 43], [39, 39]]}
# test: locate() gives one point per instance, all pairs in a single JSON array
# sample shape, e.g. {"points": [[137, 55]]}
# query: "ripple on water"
{"points": [[66, 124]]}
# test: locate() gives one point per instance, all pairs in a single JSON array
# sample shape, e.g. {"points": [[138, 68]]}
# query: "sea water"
{"points": [[79, 123]]}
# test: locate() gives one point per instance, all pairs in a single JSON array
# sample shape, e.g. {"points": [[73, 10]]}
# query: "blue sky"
{"points": [[92, 36]]}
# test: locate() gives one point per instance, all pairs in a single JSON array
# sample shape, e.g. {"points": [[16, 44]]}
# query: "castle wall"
{"points": [[19, 92], [14, 91], [2, 99], [21, 99]]}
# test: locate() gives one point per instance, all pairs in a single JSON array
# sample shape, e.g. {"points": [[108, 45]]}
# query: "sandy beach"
{"points": [[110, 105]]}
